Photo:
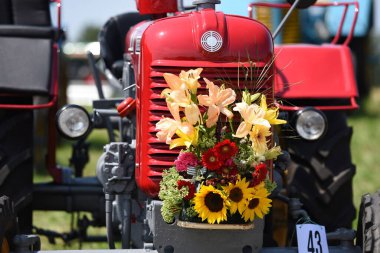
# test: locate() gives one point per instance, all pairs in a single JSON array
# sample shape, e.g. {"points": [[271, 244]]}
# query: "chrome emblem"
{"points": [[211, 41]]}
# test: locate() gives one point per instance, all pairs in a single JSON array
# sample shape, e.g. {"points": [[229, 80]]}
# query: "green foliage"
{"points": [[269, 185], [245, 157], [170, 195], [89, 33], [248, 98], [207, 138]]}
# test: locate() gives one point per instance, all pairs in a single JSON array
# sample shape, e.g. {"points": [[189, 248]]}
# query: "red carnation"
{"points": [[211, 160], [226, 149], [260, 173], [190, 187]]}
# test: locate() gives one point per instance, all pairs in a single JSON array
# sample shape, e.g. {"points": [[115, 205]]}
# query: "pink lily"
{"points": [[217, 102]]}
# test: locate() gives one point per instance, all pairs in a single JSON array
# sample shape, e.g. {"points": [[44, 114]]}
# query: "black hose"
{"points": [[125, 209], [110, 238]]}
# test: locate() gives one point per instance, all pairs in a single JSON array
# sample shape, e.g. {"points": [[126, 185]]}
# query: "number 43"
{"points": [[314, 238], [311, 238]]}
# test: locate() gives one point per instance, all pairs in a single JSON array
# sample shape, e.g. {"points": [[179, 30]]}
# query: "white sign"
{"points": [[311, 239]]}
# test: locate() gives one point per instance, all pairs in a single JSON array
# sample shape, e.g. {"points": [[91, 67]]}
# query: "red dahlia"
{"points": [[226, 149], [189, 185], [211, 160], [260, 173]]}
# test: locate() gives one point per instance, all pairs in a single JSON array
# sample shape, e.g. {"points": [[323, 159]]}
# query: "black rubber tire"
{"points": [[315, 169], [368, 231], [8, 223], [16, 162]]}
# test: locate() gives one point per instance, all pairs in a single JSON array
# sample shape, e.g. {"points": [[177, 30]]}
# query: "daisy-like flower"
{"points": [[258, 136], [211, 204], [211, 160], [184, 160], [226, 149], [238, 194], [190, 186], [217, 102], [252, 115], [258, 205]]}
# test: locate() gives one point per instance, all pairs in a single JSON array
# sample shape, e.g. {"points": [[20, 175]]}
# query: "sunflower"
{"points": [[211, 204], [238, 194], [258, 204]]}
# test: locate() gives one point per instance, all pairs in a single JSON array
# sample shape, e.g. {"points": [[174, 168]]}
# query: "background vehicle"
{"points": [[116, 166]]}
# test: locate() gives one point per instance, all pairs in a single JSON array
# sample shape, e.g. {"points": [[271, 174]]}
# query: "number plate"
{"points": [[311, 239]]}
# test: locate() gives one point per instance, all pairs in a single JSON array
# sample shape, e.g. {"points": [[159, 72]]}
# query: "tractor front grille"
{"points": [[235, 77]]}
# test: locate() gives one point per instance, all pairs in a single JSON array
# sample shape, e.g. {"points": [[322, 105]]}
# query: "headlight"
{"points": [[311, 123], [73, 121]]}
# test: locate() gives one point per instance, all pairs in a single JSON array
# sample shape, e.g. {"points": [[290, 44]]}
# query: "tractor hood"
{"points": [[220, 44]]}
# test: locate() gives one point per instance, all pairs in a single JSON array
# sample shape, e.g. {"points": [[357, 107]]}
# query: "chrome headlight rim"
{"points": [[302, 112], [66, 109]]}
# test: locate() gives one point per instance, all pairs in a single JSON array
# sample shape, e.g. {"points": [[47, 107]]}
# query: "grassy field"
{"points": [[364, 148]]}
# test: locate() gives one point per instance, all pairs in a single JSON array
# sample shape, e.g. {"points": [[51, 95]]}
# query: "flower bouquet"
{"points": [[222, 173]]}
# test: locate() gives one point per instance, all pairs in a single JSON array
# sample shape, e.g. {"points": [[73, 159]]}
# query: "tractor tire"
{"points": [[8, 224], [320, 174], [16, 162], [368, 231]]}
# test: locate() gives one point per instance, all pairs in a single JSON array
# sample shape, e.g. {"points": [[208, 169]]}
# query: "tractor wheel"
{"points": [[16, 162], [320, 174], [8, 224], [368, 231]]}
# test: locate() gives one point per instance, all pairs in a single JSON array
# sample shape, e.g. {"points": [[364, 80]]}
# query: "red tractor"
{"points": [[312, 85]]}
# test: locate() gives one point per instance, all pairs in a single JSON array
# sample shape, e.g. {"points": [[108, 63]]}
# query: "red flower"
{"points": [[260, 173], [226, 149], [228, 168], [211, 160], [189, 185], [185, 160]]}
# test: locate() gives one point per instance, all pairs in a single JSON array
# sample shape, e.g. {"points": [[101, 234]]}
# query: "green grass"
{"points": [[60, 221], [364, 148]]}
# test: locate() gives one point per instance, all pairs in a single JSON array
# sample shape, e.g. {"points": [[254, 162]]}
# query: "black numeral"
{"points": [[310, 242]]}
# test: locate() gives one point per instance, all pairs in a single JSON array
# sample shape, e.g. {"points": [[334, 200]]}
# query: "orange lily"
{"points": [[190, 78], [217, 102]]}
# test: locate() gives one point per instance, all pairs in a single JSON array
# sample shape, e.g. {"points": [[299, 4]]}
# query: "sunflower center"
{"points": [[253, 203], [236, 195], [214, 202]]}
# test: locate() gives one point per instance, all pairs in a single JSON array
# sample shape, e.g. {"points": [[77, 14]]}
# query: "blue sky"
{"points": [[78, 13]]}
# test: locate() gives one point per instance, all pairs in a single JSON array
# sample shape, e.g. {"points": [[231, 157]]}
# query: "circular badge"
{"points": [[211, 41]]}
